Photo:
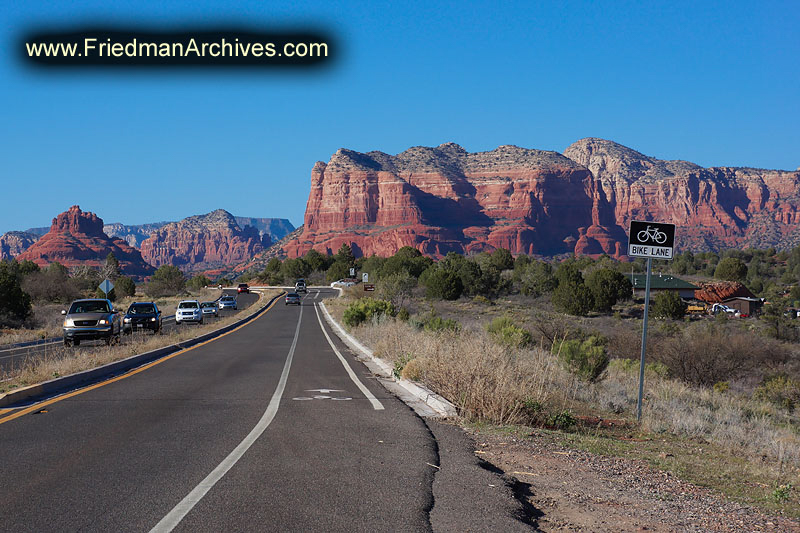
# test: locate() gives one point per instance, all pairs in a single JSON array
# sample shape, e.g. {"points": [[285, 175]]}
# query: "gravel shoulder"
{"points": [[574, 490]]}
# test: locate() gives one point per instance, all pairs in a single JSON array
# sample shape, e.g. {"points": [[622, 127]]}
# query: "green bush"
{"points": [[168, 280], [536, 278], [15, 304], [779, 390], [573, 298], [124, 286], [443, 284], [608, 287], [508, 333], [631, 366], [437, 323], [668, 304], [365, 309], [562, 420], [585, 359], [198, 282], [730, 269], [403, 314]]}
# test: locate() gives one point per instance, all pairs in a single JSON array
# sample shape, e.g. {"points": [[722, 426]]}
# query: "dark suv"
{"points": [[91, 319], [142, 315]]}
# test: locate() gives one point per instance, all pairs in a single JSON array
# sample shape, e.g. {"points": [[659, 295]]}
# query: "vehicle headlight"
{"points": [[102, 322], [127, 320], [153, 319], [68, 323]]}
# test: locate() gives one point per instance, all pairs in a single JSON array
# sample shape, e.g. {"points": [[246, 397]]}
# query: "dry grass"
{"points": [[60, 361]]}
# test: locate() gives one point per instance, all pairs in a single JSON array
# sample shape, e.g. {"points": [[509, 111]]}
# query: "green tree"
{"points": [[407, 259], [198, 282], [111, 269], [396, 288], [168, 280], [124, 287], [668, 304], [15, 304], [573, 298], [730, 269], [337, 270], [294, 269], [502, 259], [608, 287], [28, 267], [568, 272], [316, 261], [443, 284], [345, 255], [537, 278], [274, 266]]}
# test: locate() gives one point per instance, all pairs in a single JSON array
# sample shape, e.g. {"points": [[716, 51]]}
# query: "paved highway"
{"points": [[12, 357], [264, 429]]}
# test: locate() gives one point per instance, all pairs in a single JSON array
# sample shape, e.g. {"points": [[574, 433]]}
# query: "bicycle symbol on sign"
{"points": [[651, 233]]}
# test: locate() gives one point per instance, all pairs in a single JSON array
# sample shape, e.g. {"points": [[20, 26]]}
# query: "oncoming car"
{"points": [[243, 288], [228, 302], [142, 315], [210, 309], [188, 311], [292, 298], [342, 283], [91, 319]]}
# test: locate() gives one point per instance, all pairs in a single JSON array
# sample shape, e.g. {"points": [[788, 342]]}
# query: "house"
{"points": [[717, 292], [661, 283], [745, 305]]}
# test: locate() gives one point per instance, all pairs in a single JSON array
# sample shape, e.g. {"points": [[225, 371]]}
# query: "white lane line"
{"points": [[372, 399], [177, 514]]}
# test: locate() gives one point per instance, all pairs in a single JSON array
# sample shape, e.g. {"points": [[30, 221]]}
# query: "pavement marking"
{"points": [[174, 517], [37, 406], [378, 406]]}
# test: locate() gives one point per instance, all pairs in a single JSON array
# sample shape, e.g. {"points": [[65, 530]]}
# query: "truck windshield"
{"points": [[92, 306]]}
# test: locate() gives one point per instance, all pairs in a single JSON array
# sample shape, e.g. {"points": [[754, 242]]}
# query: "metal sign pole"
{"points": [[644, 339]]}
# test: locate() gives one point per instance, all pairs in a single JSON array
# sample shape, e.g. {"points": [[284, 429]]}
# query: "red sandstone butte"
{"points": [[537, 202], [77, 238], [202, 242]]}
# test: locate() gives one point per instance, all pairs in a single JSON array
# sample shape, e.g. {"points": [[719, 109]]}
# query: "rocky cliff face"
{"points": [[133, 235], [529, 201], [202, 242], [270, 229], [14, 243], [77, 238]]}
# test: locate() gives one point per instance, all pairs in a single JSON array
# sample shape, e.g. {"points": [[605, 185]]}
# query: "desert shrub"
{"points": [[502, 259], [365, 309], [168, 280], [403, 314], [413, 370], [480, 299], [780, 390], [573, 298], [198, 282], [562, 420], [396, 288], [316, 261], [15, 304], [585, 359], [631, 366], [536, 278], [507, 333], [608, 287], [293, 269], [337, 270], [443, 284], [730, 269], [668, 304], [124, 287], [437, 323], [52, 285]]}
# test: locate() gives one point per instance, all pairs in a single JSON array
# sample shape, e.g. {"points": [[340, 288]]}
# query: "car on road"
{"points": [[300, 286], [228, 302], [342, 283], [210, 309], [142, 316], [292, 298], [188, 311], [243, 288], [91, 319]]}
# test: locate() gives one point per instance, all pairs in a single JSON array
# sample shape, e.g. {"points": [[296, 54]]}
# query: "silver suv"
{"points": [[189, 311], [91, 319]]}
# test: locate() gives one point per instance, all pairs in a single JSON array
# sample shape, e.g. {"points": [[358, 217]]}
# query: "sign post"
{"points": [[106, 286], [650, 240]]}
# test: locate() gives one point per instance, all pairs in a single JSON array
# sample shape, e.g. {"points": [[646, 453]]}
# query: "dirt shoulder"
{"points": [[574, 490]]}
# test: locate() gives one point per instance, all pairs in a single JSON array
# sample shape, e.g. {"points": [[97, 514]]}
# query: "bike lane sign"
{"points": [[651, 239]]}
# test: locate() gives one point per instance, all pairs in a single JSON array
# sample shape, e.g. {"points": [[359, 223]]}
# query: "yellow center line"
{"points": [[40, 405]]}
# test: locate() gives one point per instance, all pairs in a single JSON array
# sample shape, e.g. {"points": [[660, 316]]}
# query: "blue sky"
{"points": [[715, 83]]}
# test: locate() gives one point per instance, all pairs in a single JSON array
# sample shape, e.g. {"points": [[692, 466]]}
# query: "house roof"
{"points": [[719, 291], [659, 281]]}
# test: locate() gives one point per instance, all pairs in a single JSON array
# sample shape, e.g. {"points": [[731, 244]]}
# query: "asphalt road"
{"points": [[263, 429], [12, 357]]}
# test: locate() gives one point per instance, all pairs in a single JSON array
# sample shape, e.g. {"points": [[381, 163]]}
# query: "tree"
{"points": [[316, 261], [573, 298], [53, 284], [569, 273], [198, 282], [537, 278], [443, 284], [337, 270], [608, 287], [502, 259], [168, 280], [124, 287], [396, 288], [295, 269], [407, 259], [345, 255], [111, 269], [15, 304], [668, 304], [273, 266], [730, 269]]}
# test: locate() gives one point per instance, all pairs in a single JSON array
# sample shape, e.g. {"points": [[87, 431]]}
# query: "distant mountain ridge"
{"points": [[442, 199]]}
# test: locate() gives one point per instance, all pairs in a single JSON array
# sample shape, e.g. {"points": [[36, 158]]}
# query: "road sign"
{"points": [[364, 277], [369, 287], [352, 272], [106, 286], [651, 239]]}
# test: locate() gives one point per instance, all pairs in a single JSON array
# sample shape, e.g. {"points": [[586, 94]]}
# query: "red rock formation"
{"points": [[77, 238], [202, 242], [719, 291], [14, 243], [534, 202]]}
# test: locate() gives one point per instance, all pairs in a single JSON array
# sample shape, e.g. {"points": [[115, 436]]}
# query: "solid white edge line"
{"points": [[377, 405], [174, 517]]}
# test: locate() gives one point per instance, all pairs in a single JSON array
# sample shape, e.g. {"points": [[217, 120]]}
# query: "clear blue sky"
{"points": [[714, 83]]}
